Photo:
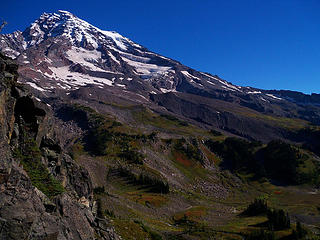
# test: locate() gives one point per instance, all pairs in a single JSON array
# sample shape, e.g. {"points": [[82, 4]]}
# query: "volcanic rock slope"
{"points": [[63, 56]]}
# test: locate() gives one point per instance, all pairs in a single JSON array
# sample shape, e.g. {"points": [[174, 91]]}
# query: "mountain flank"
{"points": [[103, 139]]}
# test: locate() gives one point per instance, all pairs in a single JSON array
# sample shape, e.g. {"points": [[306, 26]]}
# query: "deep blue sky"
{"points": [[269, 44]]}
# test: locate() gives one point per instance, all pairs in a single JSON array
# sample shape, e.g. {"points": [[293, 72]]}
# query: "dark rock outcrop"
{"points": [[25, 211]]}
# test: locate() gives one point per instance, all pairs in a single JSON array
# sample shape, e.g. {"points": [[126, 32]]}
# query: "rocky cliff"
{"points": [[44, 194]]}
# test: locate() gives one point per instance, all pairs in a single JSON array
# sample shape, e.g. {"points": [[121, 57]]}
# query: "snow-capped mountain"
{"points": [[59, 50], [62, 55]]}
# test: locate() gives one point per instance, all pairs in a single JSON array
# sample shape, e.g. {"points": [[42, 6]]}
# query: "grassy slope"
{"points": [[191, 208]]}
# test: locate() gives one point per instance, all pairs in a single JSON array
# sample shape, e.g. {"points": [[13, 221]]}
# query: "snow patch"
{"points": [[84, 57], [145, 68], [116, 37], [187, 74], [254, 92], [73, 79], [274, 97], [114, 58], [209, 76], [142, 96], [121, 85], [35, 86], [167, 90]]}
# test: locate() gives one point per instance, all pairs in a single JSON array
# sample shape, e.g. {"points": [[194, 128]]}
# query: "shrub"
{"points": [[99, 208], [99, 190], [153, 182], [256, 208], [131, 155], [154, 235], [237, 153], [192, 151], [30, 158], [299, 233], [278, 220], [281, 161], [215, 133], [174, 119], [260, 235], [156, 185]]}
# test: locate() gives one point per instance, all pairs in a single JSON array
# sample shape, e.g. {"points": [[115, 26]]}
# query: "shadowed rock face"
{"points": [[27, 110], [25, 211]]}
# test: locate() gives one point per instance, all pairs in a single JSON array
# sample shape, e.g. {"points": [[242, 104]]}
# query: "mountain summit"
{"points": [[63, 43], [79, 32], [62, 55]]}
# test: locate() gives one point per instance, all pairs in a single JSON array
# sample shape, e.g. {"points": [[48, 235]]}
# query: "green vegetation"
{"points": [[30, 158], [131, 155], [260, 235], [174, 119], [130, 230], [154, 235], [191, 151], [281, 161], [237, 154], [146, 179], [209, 200], [299, 233], [108, 137], [256, 208], [215, 133], [278, 220], [277, 160], [165, 123], [284, 162], [310, 136], [191, 215], [99, 190], [277, 225]]}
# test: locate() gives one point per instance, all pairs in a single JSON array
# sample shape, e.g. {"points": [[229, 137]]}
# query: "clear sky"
{"points": [[269, 44]]}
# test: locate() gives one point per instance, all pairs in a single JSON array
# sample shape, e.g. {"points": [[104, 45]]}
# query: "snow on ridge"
{"points": [[254, 92], [229, 86], [146, 69], [140, 95], [35, 86], [164, 90], [116, 37], [132, 56], [274, 97], [65, 12], [10, 52], [187, 74], [121, 85], [225, 83], [209, 76], [155, 54], [114, 58]]}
